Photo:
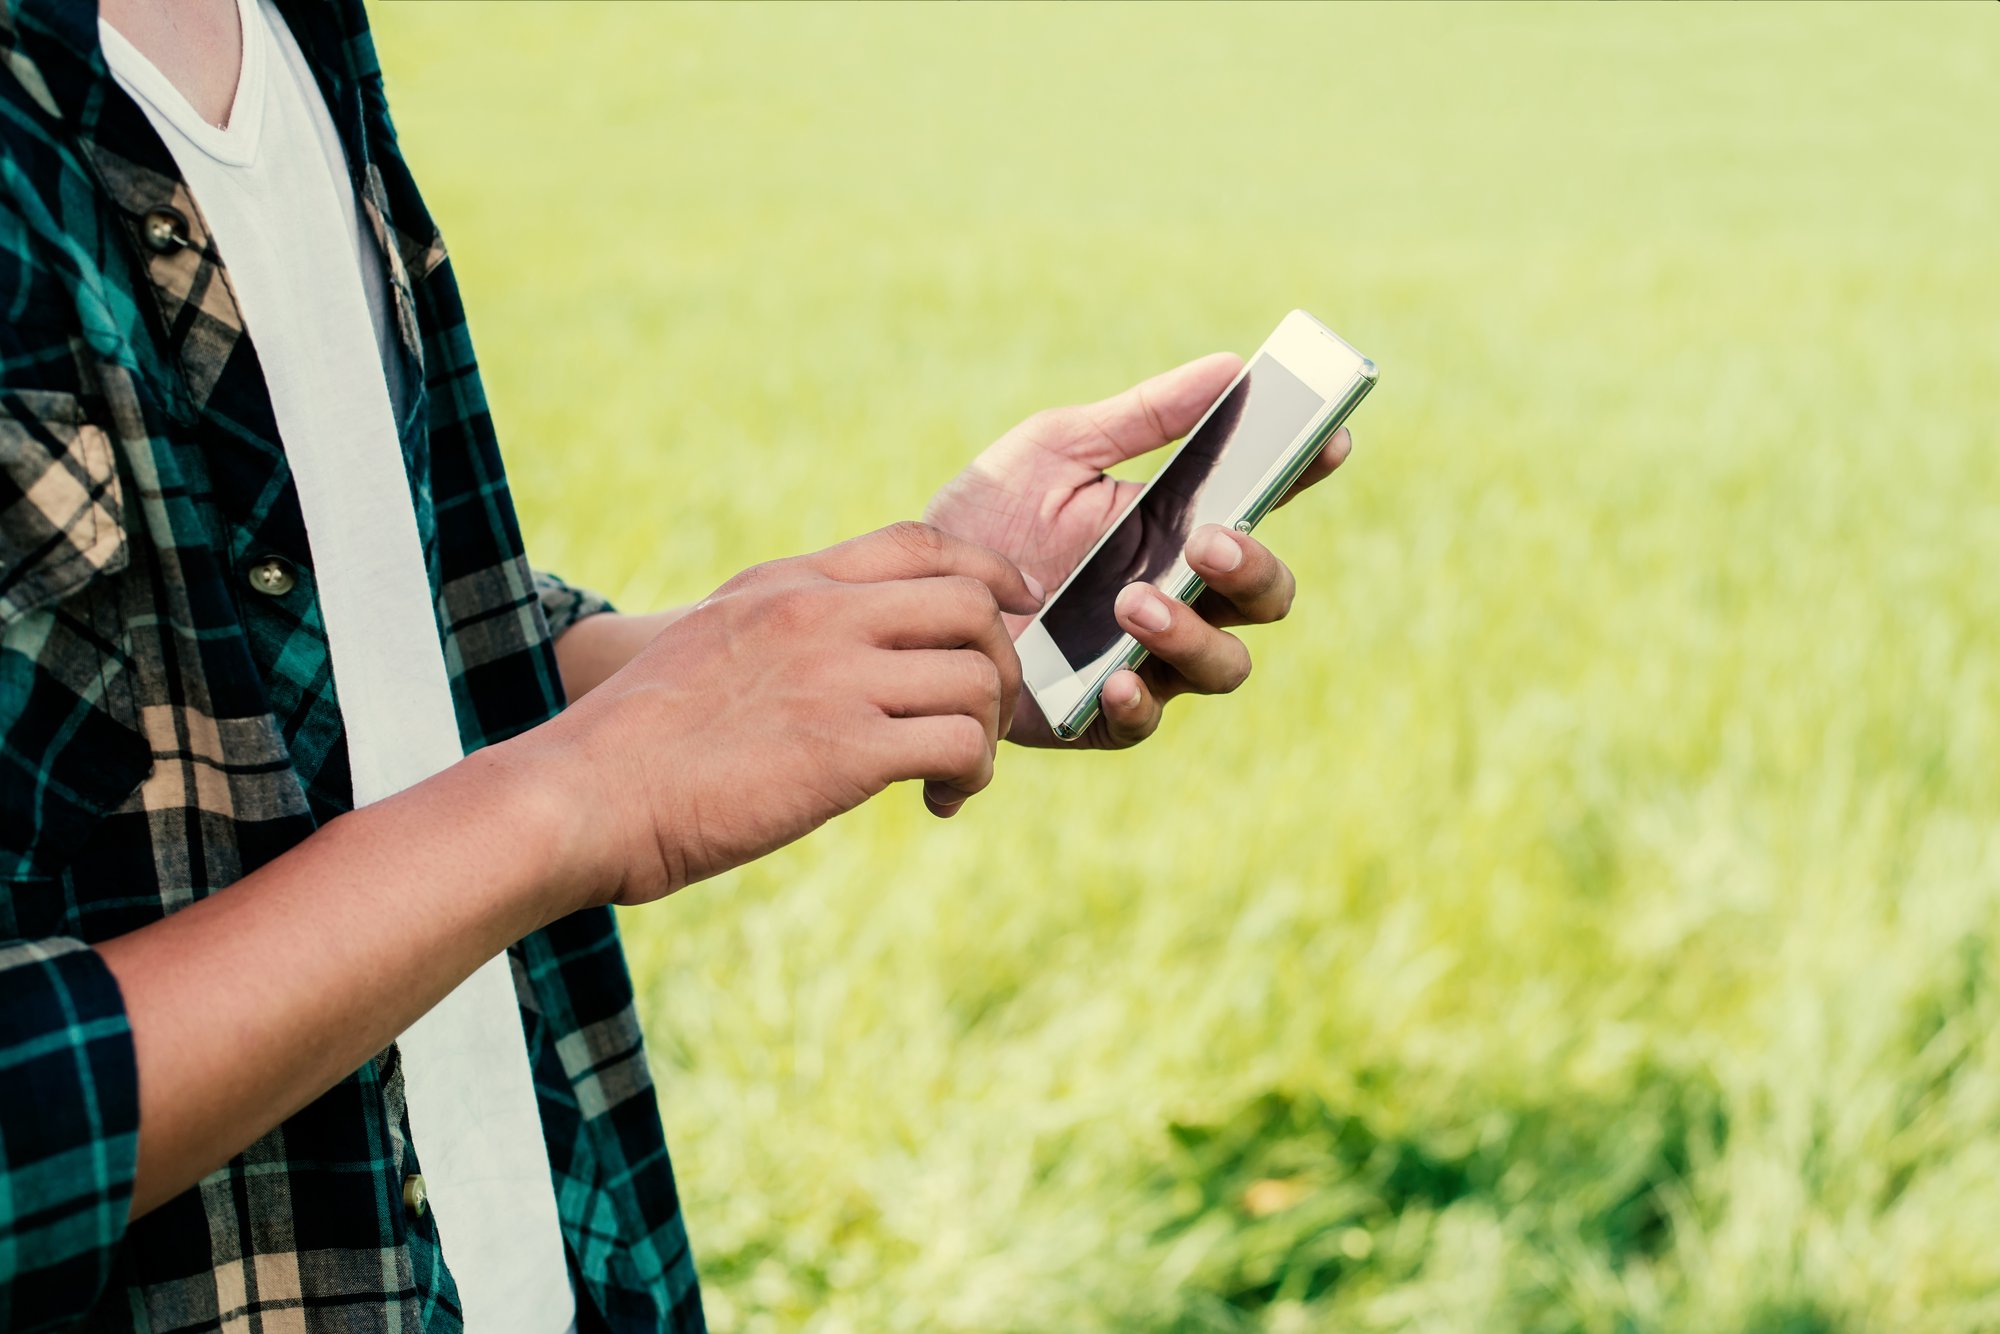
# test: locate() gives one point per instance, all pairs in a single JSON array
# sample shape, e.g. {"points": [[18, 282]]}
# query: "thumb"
{"points": [[1155, 411]]}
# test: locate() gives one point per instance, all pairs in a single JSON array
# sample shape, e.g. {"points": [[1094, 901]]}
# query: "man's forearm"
{"points": [[248, 1005], [597, 646]]}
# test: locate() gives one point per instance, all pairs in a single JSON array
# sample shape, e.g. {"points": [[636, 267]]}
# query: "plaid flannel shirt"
{"points": [[167, 725]]}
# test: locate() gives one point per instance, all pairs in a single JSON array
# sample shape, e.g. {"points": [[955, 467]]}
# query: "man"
{"points": [[228, 889]]}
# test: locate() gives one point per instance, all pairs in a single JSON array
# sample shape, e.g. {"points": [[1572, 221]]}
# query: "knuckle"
{"points": [[1132, 732], [1284, 591], [1009, 666], [973, 596], [750, 578], [1053, 423], [961, 743], [792, 608], [917, 536], [1236, 672], [966, 748], [988, 685]]}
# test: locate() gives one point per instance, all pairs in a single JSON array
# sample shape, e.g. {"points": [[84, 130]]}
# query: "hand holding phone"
{"points": [[1235, 465]]}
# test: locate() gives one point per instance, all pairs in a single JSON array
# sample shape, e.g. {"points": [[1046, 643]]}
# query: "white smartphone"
{"points": [[1237, 462]]}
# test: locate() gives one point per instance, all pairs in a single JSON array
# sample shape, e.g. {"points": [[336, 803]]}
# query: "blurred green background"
{"points": [[1586, 920]]}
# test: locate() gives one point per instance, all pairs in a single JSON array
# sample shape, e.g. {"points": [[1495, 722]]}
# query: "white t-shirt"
{"points": [[308, 277]]}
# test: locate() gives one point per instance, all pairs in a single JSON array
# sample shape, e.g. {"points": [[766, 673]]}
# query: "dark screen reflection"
{"points": [[1213, 473]]}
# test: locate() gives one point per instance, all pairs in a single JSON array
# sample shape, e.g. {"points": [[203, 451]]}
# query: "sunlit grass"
{"points": [[1586, 919]]}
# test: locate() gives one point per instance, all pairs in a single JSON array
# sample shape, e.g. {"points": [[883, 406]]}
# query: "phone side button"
{"points": [[1244, 525]]}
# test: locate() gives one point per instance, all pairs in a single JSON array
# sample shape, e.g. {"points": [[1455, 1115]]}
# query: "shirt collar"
{"points": [[55, 54], [53, 50]]}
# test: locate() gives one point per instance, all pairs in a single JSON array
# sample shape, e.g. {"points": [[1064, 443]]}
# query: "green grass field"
{"points": [[1589, 917]]}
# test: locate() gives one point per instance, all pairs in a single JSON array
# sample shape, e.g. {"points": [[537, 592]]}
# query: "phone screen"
{"points": [[1218, 468]]}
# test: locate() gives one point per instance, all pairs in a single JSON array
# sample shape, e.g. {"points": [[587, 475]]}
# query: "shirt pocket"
{"points": [[61, 508], [68, 721]]}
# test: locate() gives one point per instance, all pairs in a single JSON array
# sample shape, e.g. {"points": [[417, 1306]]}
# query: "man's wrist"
{"points": [[539, 811], [599, 646]]}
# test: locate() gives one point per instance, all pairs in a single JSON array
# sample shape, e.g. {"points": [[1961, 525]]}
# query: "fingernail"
{"points": [[1123, 694], [1149, 610], [1212, 547], [1035, 587]]}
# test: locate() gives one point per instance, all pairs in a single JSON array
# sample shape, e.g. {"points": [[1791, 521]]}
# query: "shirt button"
{"points": [[415, 1198], [165, 230], [273, 576]]}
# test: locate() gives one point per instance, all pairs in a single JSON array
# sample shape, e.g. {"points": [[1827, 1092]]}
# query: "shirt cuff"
{"points": [[564, 606], [69, 1130]]}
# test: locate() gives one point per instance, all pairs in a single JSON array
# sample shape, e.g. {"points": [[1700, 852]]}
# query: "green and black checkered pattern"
{"points": [[165, 729]]}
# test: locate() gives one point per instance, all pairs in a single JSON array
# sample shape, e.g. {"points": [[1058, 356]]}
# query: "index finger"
{"points": [[912, 550]]}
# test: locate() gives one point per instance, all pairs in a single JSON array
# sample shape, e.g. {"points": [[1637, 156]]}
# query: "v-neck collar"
{"points": [[235, 145]]}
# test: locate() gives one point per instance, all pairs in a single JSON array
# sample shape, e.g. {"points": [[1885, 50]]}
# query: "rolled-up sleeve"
{"points": [[564, 605], [69, 1130]]}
